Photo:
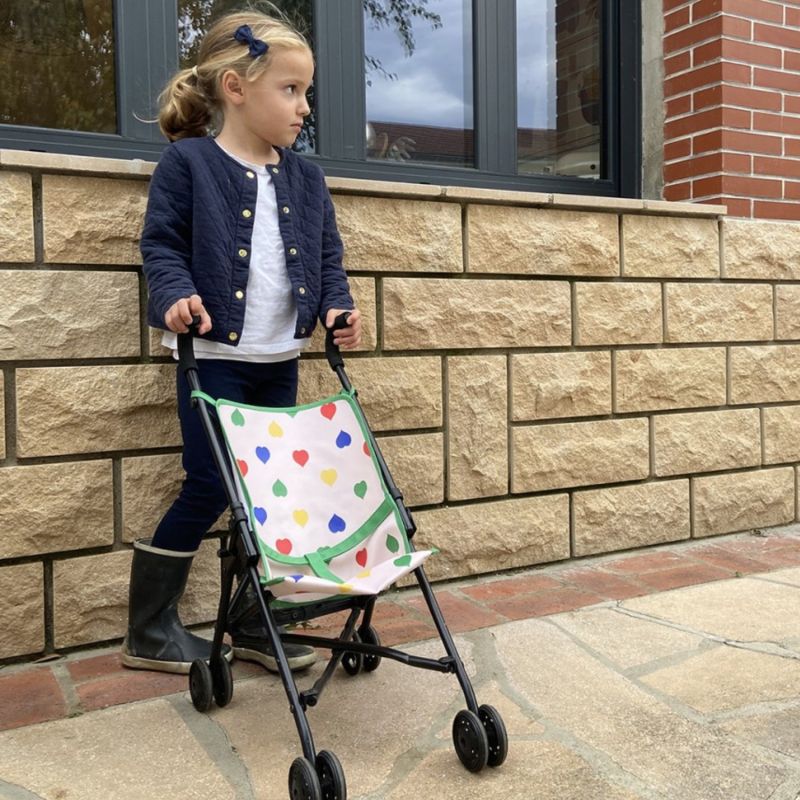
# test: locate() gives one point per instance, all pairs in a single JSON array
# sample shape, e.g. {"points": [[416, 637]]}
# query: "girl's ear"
{"points": [[231, 85]]}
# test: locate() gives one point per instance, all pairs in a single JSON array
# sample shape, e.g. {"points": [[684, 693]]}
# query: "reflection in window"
{"points": [[418, 65], [195, 17], [57, 62], [559, 92]]}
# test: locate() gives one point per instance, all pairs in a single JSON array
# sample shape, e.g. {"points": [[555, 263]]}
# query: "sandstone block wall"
{"points": [[550, 377]]}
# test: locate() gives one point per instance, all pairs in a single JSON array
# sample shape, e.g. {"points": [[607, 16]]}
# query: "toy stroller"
{"points": [[313, 502]]}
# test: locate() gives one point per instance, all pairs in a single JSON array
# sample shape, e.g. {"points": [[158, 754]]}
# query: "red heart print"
{"points": [[328, 410], [283, 546], [366, 449], [361, 558], [301, 457], [242, 467]]}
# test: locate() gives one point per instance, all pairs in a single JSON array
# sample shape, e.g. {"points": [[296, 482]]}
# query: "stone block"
{"points": [[551, 385], [149, 485], [623, 517], [477, 438], [95, 409], [618, 313], [579, 453], [363, 291], [90, 598], [50, 508], [707, 312], [787, 311], [433, 313], [781, 434], [155, 348], [49, 315], [766, 374], [21, 610], [743, 500], [381, 234], [16, 217], [648, 380], [707, 441], [486, 537], [200, 601], [2, 416], [534, 241], [416, 463], [92, 220], [670, 247], [761, 250], [403, 393]]}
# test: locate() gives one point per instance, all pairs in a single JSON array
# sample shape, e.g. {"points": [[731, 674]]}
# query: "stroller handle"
{"points": [[186, 360], [332, 350]]}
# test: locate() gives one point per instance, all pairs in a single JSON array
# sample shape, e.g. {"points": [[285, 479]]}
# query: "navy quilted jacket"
{"points": [[199, 225]]}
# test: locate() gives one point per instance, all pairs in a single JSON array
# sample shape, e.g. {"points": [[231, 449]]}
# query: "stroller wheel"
{"points": [[370, 636], [495, 733], [303, 781], [353, 662], [331, 776], [471, 743], [222, 681], [201, 685]]}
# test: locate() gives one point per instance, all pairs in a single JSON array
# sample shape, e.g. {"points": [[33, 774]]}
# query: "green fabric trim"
{"points": [[321, 570], [203, 396]]}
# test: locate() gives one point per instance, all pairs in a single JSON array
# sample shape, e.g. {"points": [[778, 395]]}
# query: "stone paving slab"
{"points": [[687, 694]]}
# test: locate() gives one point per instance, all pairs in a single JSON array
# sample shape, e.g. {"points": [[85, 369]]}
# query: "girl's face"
{"points": [[274, 104]]}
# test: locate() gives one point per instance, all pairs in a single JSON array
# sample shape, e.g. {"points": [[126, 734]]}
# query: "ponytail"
{"points": [[185, 109]]}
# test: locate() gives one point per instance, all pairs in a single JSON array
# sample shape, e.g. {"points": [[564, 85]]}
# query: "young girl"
{"points": [[240, 231]]}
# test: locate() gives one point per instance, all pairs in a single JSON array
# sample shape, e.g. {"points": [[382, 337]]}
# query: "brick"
{"points": [[677, 63], [16, 218], [602, 583], [719, 557], [678, 149], [650, 380], [743, 500], [777, 35], [755, 9], [64, 507], [462, 615], [129, 686], [579, 453], [684, 576], [705, 53], [621, 517], [556, 602], [718, 312], [791, 61], [533, 241], [698, 32], [437, 313], [693, 166], [764, 209], [92, 220], [751, 53], [390, 234], [477, 437], [793, 17], [677, 19], [737, 206], [705, 8], [765, 374], [706, 441], [708, 75], [618, 313], [777, 123], [30, 697], [678, 191], [784, 167], [705, 187], [792, 190], [552, 385], [649, 562], [752, 142], [511, 587], [753, 98], [706, 98], [775, 79], [21, 610]]}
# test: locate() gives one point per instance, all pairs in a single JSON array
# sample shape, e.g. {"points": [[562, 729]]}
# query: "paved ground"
{"points": [[668, 674]]}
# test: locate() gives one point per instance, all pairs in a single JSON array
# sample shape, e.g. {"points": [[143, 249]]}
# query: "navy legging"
{"points": [[202, 498]]}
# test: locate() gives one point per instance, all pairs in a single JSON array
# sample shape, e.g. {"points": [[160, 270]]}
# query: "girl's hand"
{"points": [[350, 337], [179, 315]]}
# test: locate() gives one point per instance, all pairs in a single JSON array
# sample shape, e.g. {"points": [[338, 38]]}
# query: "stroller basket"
{"points": [[318, 526]]}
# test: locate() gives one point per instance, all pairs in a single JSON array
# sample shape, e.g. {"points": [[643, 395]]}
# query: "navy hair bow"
{"points": [[245, 36]]}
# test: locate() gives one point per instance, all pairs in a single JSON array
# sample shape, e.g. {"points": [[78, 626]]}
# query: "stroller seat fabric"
{"points": [[324, 520]]}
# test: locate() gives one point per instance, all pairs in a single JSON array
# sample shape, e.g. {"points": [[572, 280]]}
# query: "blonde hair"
{"points": [[190, 104]]}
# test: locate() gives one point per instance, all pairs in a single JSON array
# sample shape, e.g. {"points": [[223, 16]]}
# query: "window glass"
{"points": [[559, 91], [418, 71], [196, 16], [57, 62]]}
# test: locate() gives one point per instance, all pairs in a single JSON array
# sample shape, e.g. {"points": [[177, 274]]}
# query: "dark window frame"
{"points": [[147, 54]]}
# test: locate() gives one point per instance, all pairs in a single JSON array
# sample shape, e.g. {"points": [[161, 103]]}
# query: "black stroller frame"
{"points": [[479, 735]]}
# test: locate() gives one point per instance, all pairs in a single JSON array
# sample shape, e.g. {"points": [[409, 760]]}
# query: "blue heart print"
{"points": [[336, 524], [343, 439], [263, 454], [260, 514]]}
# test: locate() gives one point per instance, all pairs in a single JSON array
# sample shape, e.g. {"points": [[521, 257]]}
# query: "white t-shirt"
{"points": [[270, 315]]}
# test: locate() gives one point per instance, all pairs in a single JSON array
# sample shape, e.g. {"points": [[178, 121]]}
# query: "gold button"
{"points": [[247, 213], [302, 290], [239, 294], [274, 170], [250, 174], [243, 252], [285, 209], [233, 336], [292, 251], [302, 330]]}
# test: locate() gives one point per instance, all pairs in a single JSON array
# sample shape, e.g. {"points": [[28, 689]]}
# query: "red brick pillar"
{"points": [[732, 95]]}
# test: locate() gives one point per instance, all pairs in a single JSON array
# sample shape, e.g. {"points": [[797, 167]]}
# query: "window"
{"points": [[537, 95]]}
